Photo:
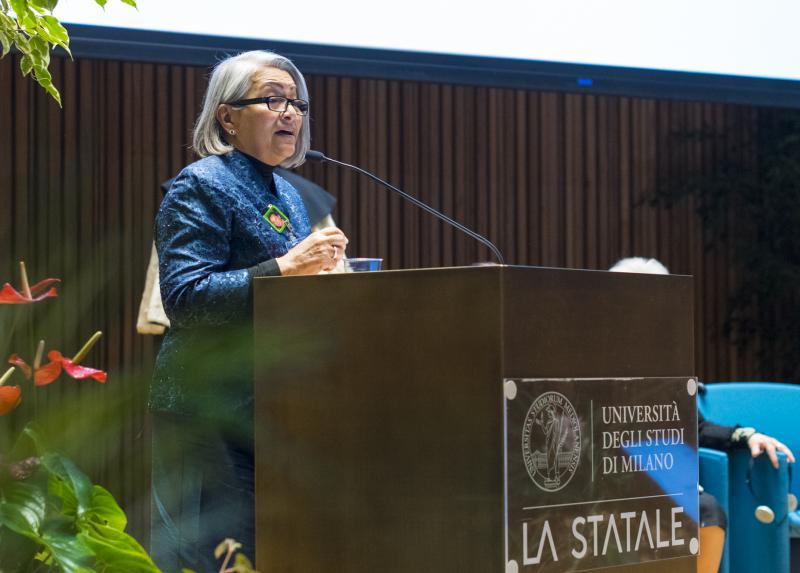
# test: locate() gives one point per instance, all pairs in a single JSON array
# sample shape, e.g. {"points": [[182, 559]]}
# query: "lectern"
{"points": [[482, 419]]}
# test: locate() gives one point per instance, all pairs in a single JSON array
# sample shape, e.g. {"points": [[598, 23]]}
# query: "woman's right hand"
{"points": [[320, 251]]}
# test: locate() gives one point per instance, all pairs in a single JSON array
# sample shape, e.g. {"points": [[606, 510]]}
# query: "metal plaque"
{"points": [[599, 472]]}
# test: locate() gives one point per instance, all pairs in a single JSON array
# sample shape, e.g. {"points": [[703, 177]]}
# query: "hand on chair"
{"points": [[759, 443]]}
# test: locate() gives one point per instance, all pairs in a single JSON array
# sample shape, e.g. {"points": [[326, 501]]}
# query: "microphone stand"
{"points": [[320, 157]]}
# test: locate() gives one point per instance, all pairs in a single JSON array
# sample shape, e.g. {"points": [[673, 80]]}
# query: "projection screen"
{"points": [[736, 50]]}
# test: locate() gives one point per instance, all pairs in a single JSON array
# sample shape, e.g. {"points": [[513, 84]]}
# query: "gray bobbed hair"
{"points": [[231, 80]]}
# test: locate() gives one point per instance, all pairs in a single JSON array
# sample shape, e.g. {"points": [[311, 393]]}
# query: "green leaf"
{"points": [[73, 478], [8, 21], [42, 5], [58, 488], [130, 3], [104, 510], [41, 49], [116, 551], [66, 548], [40, 72], [26, 64], [7, 33], [24, 47], [20, 8], [23, 509], [43, 33], [42, 75], [56, 33], [51, 89], [31, 434], [25, 17], [17, 553], [242, 564], [101, 2], [5, 42]]}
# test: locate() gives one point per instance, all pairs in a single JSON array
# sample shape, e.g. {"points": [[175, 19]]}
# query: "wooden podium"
{"points": [[379, 403]]}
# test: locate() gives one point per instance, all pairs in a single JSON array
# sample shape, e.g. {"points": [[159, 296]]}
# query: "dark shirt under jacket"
{"points": [[319, 203], [212, 240], [711, 435]]}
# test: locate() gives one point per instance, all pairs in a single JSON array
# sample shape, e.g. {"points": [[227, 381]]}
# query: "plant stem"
{"points": [[9, 332], [224, 567], [86, 347]]}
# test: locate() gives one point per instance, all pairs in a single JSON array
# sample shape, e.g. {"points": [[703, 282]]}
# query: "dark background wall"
{"points": [[553, 179]]}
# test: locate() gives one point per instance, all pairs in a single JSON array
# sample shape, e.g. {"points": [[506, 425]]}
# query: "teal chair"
{"points": [[714, 477], [756, 491]]}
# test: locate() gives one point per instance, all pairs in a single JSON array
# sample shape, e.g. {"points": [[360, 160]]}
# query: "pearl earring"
{"points": [[232, 131]]}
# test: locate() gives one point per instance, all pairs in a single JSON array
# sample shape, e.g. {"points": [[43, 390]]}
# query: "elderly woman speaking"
{"points": [[226, 219]]}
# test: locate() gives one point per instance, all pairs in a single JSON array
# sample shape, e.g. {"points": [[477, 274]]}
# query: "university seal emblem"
{"points": [[551, 441]]}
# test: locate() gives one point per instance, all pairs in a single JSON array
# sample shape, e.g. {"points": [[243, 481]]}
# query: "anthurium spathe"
{"points": [[9, 295], [27, 294], [10, 396], [49, 372], [21, 364]]}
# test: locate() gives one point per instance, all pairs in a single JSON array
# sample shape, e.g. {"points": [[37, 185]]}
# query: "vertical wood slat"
{"points": [[553, 179]]}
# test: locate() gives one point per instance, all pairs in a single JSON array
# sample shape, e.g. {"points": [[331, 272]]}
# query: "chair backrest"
{"points": [[773, 409], [770, 407], [714, 477]]}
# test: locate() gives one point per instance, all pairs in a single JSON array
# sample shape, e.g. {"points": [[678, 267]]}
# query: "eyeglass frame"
{"points": [[268, 99]]}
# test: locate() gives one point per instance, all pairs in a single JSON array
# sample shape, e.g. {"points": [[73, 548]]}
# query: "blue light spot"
{"points": [[585, 81]]}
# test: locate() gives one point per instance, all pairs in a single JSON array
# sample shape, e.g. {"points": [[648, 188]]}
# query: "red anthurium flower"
{"points": [[21, 364], [80, 372], [49, 372], [10, 397], [52, 370], [39, 291]]}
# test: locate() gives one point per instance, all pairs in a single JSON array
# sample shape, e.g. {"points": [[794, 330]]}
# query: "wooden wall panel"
{"points": [[553, 179]]}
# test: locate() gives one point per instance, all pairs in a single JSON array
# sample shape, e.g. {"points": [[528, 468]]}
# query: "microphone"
{"points": [[319, 157]]}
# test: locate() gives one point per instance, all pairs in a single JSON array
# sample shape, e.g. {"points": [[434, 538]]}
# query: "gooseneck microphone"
{"points": [[319, 157]]}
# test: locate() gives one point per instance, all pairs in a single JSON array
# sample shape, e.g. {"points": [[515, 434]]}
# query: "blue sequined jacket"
{"points": [[212, 239]]}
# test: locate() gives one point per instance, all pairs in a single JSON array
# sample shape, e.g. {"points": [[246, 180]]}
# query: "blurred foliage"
{"points": [[232, 560], [52, 518], [30, 27], [748, 197]]}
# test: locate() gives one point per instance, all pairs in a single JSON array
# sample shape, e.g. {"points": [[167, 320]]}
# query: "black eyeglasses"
{"points": [[275, 103]]}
